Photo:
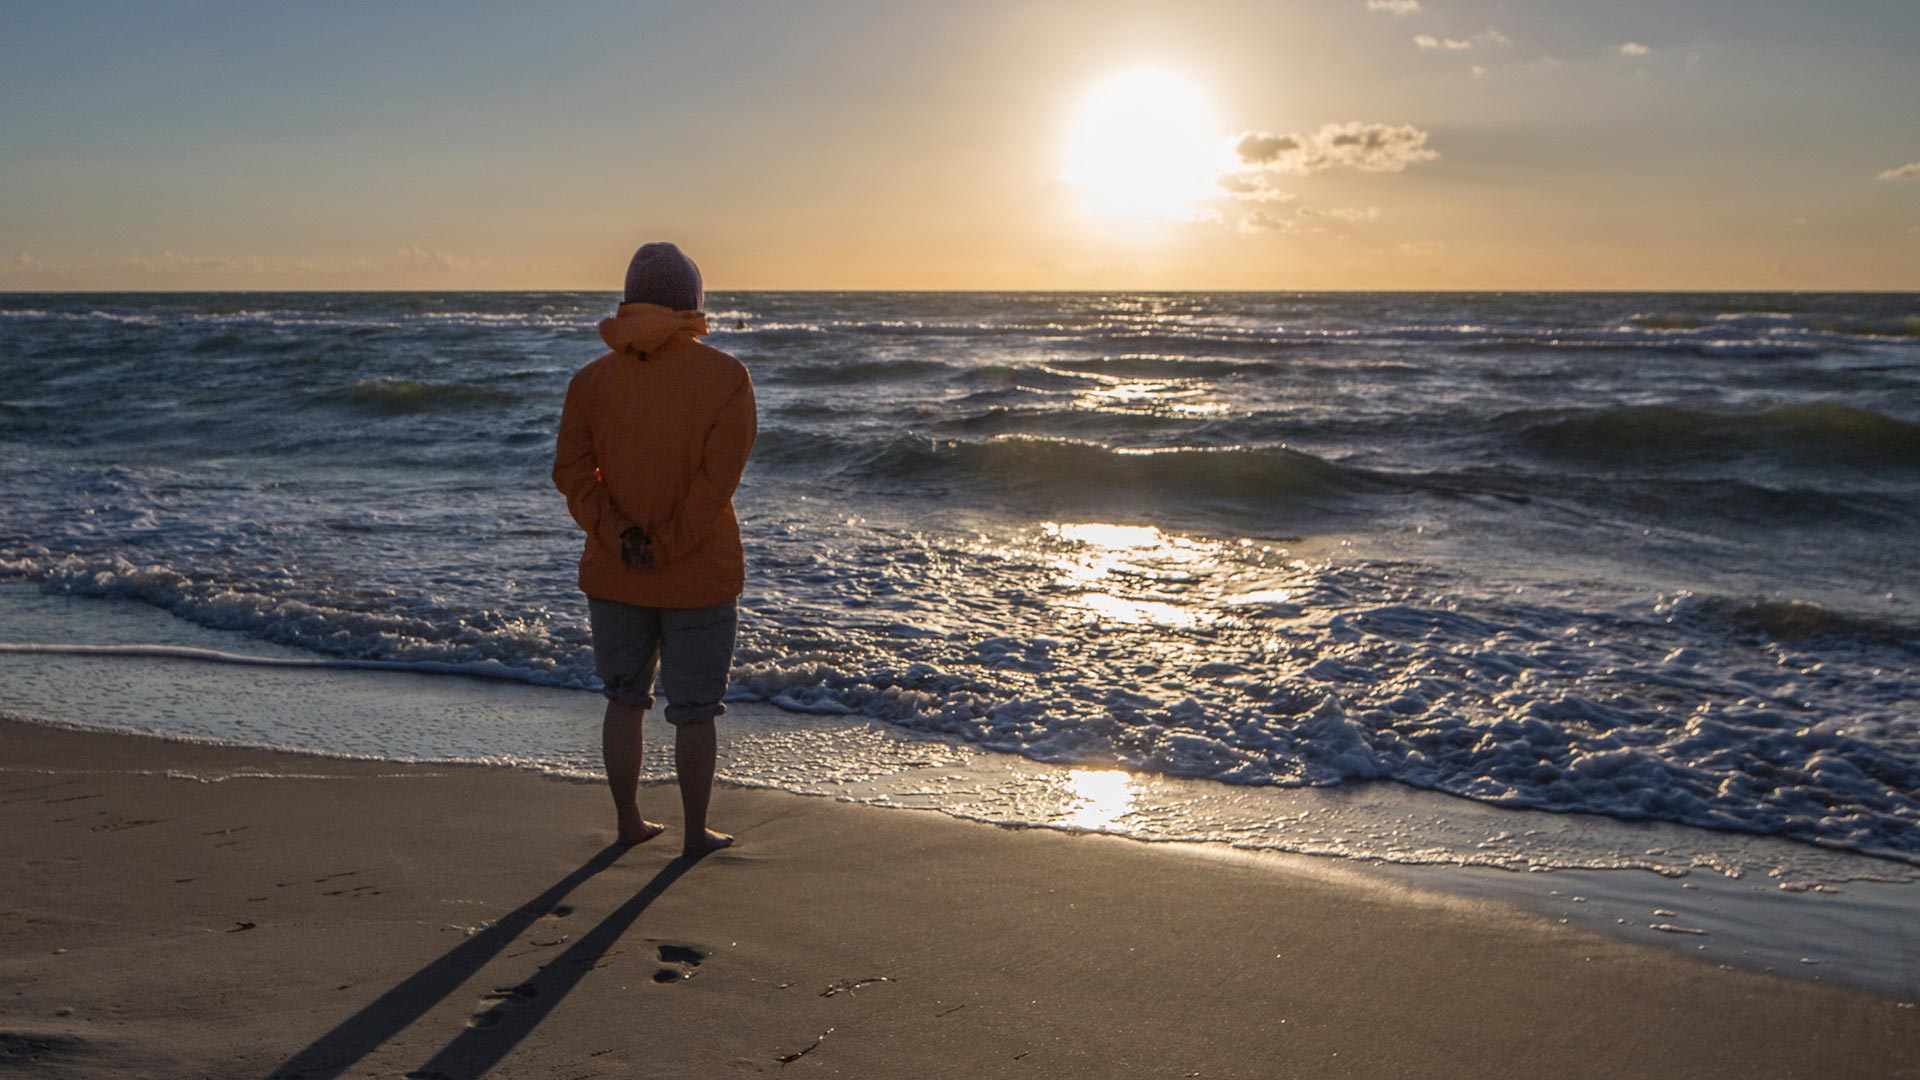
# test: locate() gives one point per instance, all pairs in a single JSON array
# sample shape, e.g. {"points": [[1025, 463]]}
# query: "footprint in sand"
{"points": [[512, 995], [678, 963], [502, 998]]}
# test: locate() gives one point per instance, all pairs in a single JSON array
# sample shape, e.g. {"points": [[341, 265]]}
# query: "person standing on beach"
{"points": [[653, 439]]}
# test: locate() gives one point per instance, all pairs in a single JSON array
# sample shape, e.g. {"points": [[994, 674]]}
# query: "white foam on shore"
{"points": [[476, 670], [1773, 901], [1183, 655]]}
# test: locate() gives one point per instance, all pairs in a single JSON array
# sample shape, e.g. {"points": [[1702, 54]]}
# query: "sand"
{"points": [[169, 914]]}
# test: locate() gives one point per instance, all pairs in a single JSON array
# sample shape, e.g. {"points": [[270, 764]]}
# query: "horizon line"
{"points": [[1614, 291]]}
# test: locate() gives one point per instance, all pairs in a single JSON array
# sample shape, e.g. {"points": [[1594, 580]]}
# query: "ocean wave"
{"points": [[1828, 432], [849, 372], [1666, 320], [1097, 424], [774, 327], [1159, 365], [997, 377], [1906, 327], [1797, 621], [784, 444], [403, 633], [1490, 700], [1715, 504], [254, 318], [1707, 348], [404, 397], [1767, 318], [1071, 467]]}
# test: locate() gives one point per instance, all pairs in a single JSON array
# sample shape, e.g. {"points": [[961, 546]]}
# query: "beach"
{"points": [[1374, 539], [192, 910]]}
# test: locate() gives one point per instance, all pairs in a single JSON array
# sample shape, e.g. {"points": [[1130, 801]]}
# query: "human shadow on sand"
{"points": [[494, 1033], [486, 1040]]}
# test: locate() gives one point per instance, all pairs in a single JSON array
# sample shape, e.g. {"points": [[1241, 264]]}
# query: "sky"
{"points": [[834, 144]]}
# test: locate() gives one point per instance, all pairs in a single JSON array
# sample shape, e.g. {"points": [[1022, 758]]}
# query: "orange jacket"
{"points": [[656, 434]]}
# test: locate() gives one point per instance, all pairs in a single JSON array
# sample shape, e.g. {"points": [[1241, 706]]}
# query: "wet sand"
{"points": [[186, 910]]}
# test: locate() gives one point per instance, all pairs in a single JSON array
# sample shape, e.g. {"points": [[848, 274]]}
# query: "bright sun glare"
{"points": [[1144, 146]]}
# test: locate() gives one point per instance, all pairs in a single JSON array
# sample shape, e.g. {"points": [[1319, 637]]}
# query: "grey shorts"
{"points": [[690, 649]]}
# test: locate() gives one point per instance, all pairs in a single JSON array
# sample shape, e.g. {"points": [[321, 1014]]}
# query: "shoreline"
{"points": [[371, 914], [1760, 903]]}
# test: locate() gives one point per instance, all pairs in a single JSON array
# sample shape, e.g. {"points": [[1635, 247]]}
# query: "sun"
{"points": [[1144, 146]]}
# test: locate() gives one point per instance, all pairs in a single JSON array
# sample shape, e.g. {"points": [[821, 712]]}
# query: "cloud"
{"points": [[1352, 145], [1262, 222], [24, 260], [418, 260], [1800, 222], [1909, 171], [1479, 71], [1349, 214], [1263, 147], [1490, 36], [1634, 48], [174, 262], [1253, 187], [1421, 247], [1395, 7]]}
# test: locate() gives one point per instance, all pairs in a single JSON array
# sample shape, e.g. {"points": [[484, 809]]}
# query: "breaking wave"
{"points": [[1069, 466], [1827, 431]]}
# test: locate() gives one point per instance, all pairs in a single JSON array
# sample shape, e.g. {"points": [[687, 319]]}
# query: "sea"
{"points": [[1650, 558]]}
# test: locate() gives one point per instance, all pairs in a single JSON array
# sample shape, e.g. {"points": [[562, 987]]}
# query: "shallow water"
{"points": [[1645, 556]]}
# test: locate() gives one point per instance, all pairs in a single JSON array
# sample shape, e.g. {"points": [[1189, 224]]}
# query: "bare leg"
{"points": [[693, 758], [620, 745]]}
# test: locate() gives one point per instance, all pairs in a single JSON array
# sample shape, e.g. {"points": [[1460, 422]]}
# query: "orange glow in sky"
{"points": [[1119, 144]]}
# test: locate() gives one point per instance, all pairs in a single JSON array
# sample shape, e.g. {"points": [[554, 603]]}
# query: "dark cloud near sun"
{"points": [[1352, 145]]}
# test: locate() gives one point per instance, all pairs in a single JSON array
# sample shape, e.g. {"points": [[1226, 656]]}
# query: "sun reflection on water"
{"points": [[1098, 797], [1132, 574], [1108, 536], [1148, 395]]}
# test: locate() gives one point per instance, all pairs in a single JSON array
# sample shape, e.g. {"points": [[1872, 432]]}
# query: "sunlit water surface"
{"points": [[1650, 558]]}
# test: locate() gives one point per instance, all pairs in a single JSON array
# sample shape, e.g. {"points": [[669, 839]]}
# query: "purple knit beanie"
{"points": [[662, 274]]}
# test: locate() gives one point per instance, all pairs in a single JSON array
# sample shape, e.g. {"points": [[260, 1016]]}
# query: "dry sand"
{"points": [[367, 919]]}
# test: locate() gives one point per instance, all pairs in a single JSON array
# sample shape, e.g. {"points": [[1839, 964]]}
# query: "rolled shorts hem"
{"points": [[689, 651]]}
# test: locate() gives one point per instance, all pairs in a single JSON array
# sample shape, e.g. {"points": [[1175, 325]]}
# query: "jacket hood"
{"points": [[639, 329]]}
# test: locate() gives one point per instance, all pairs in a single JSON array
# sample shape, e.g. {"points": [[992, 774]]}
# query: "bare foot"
{"points": [[637, 830], [707, 845]]}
